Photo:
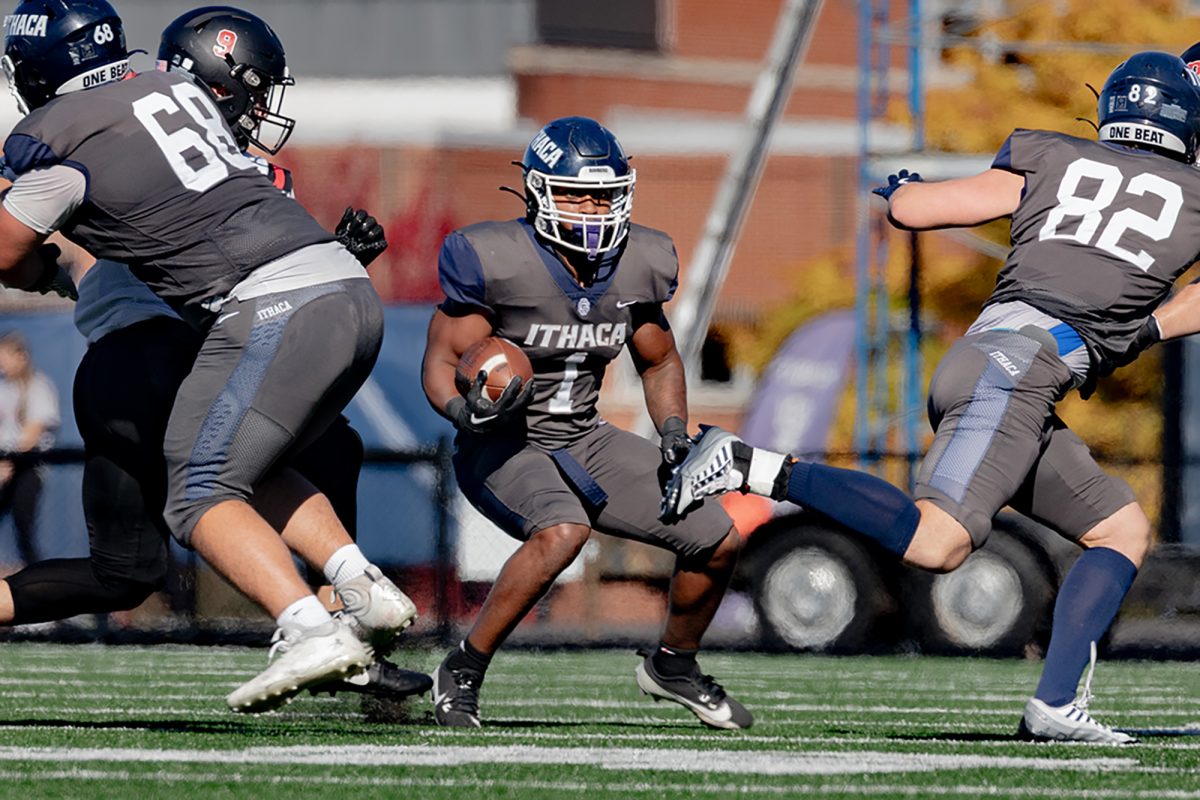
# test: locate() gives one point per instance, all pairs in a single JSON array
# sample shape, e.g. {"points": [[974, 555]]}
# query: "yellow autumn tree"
{"points": [[1032, 67], [1029, 68]]}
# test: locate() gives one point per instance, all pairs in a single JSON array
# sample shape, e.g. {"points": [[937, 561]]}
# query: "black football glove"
{"points": [[674, 443], [361, 234], [895, 182], [477, 414], [1147, 336], [54, 279]]}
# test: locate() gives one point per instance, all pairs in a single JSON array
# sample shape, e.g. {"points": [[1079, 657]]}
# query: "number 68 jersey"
{"points": [[1100, 235], [146, 172]]}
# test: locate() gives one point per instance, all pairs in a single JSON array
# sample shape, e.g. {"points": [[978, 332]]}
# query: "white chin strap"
{"points": [[10, 74]]}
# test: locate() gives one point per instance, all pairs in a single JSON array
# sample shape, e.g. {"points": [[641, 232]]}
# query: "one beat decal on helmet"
{"points": [[577, 157], [1152, 100], [237, 57], [52, 47]]}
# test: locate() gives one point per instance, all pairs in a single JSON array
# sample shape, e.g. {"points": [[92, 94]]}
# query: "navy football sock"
{"points": [[1087, 603], [863, 503]]}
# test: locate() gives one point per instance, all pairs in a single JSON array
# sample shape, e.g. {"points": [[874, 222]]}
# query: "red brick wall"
{"points": [[802, 209]]}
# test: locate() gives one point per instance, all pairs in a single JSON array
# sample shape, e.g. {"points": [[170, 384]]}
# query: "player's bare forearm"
{"points": [[73, 258], [449, 337], [959, 202], [1180, 316], [665, 387], [658, 362], [20, 266]]}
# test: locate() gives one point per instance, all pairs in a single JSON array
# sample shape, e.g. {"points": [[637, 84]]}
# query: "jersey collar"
{"points": [[606, 271]]}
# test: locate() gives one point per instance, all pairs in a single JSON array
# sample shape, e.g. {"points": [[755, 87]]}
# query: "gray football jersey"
{"points": [[1099, 236], [168, 191], [569, 332]]}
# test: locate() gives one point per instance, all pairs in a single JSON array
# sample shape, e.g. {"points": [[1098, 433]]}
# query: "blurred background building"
{"points": [[415, 109]]}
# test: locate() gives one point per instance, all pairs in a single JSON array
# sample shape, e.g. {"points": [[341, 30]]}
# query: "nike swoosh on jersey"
{"points": [[224, 317], [625, 303]]}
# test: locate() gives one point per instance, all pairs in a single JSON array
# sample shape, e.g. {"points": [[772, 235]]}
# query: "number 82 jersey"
{"points": [[146, 172], [1100, 235]]}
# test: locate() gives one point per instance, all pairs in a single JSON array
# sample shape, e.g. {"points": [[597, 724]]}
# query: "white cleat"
{"points": [[300, 658], [1069, 723], [378, 606], [709, 469]]}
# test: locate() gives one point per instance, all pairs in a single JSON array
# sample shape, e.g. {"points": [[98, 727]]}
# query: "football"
{"points": [[499, 358]]}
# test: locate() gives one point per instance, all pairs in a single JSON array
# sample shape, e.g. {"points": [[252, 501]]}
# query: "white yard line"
{"points": [[614, 758]]}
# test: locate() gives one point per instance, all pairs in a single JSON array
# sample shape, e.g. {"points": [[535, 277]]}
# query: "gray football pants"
{"points": [[272, 374], [998, 441]]}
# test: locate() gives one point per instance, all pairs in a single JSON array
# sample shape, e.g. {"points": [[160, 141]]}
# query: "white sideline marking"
{"points": [[621, 758]]}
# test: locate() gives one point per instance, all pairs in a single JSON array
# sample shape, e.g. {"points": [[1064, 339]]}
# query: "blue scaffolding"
{"points": [[887, 410]]}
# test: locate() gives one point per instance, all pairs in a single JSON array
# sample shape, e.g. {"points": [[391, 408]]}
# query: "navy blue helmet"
{"points": [[52, 47], [1152, 100], [573, 156], [240, 60]]}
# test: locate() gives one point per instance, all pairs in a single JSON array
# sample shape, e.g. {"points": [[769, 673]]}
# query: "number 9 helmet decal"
{"points": [[52, 47], [240, 60], [1191, 57], [1152, 101], [576, 156]]}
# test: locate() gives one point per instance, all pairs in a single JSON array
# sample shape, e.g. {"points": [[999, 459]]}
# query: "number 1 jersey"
{"points": [[570, 332], [1100, 235], [167, 189]]}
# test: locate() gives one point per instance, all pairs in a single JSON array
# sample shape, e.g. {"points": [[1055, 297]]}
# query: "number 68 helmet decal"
{"points": [[1152, 101], [52, 47]]}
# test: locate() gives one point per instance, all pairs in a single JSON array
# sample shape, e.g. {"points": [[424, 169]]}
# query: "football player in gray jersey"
{"points": [[573, 283], [1100, 231], [144, 169], [139, 351]]}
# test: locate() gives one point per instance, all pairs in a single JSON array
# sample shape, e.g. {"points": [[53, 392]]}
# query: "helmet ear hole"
{"points": [[254, 80]]}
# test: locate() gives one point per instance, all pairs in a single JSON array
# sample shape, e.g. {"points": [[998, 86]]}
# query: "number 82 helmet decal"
{"points": [[1152, 100]]}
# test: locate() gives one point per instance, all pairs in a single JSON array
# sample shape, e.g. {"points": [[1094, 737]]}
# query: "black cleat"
{"points": [[696, 692], [381, 679], [456, 697]]}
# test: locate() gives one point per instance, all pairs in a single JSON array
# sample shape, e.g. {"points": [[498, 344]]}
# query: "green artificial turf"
{"points": [[146, 722]]}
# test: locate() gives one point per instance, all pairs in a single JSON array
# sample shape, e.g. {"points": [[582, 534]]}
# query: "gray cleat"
{"points": [[456, 697], [696, 692], [709, 469]]}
